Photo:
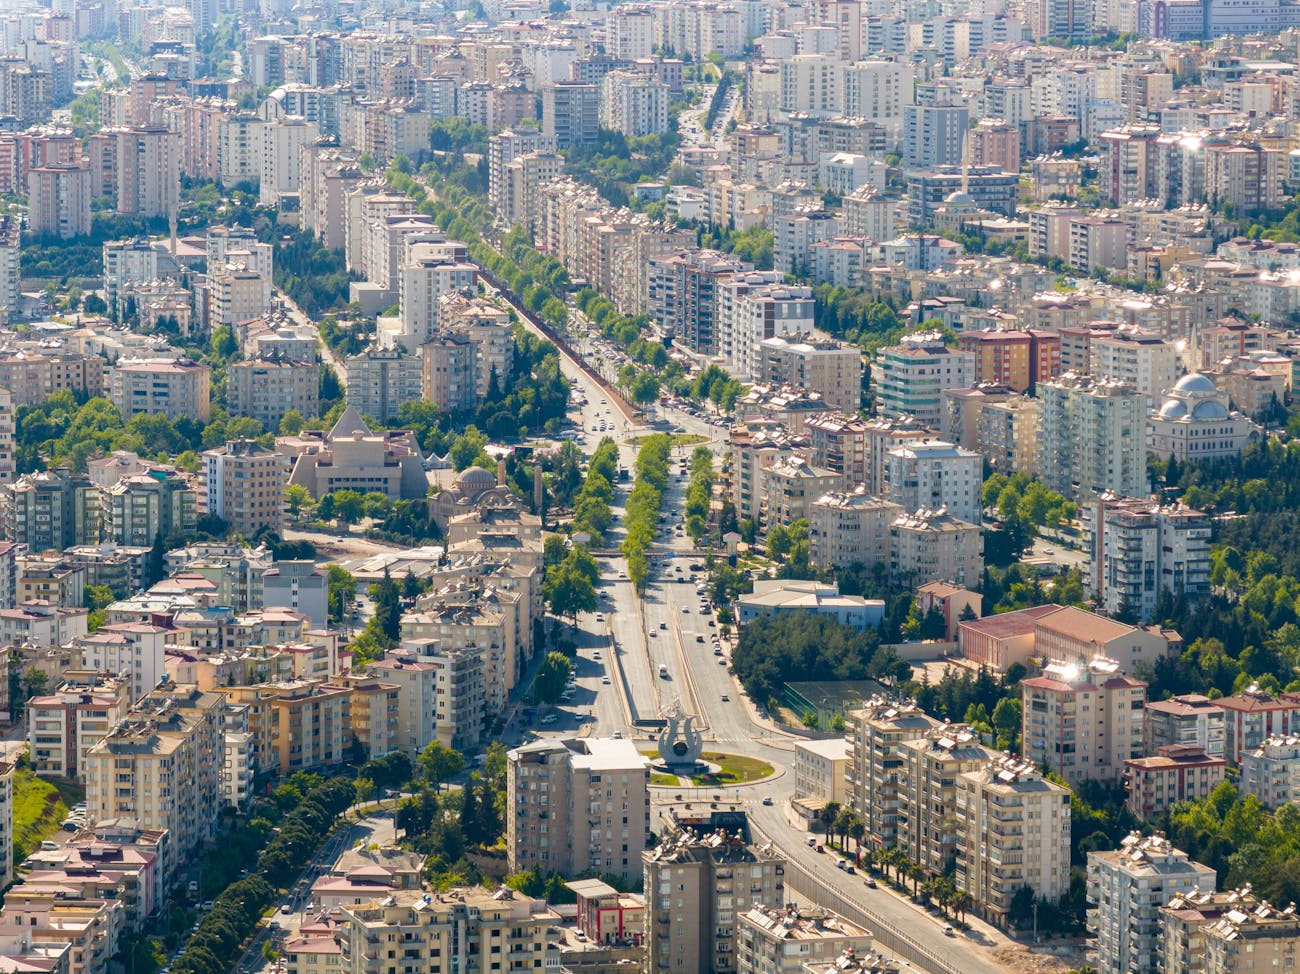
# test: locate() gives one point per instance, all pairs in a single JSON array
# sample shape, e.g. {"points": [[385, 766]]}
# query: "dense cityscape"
{"points": [[720, 486]]}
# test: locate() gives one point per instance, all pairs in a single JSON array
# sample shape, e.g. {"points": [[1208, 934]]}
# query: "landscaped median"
{"points": [[733, 769]]}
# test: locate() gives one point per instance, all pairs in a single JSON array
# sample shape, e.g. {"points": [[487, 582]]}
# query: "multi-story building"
{"points": [[140, 509], [167, 387], [1253, 716], [64, 725], [776, 940], [381, 379], [934, 135], [698, 883], [877, 734], [850, 529], [1140, 549], [633, 103], [681, 301], [1126, 889], [243, 484], [440, 693], [1175, 773], [375, 712], [1016, 359], [132, 651], [791, 487], [571, 112], [994, 142], [1093, 437], [928, 831], [465, 928], [1014, 832], [934, 475], [830, 368], [236, 293], [351, 456], [160, 766], [269, 386], [933, 546], [298, 586], [909, 378], [148, 170], [1191, 718], [1135, 356], [505, 147], [1082, 720], [578, 805], [51, 510], [58, 200], [1271, 772]]}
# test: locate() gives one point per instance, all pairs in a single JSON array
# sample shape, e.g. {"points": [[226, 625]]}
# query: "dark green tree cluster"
{"points": [[643, 504], [570, 585], [753, 244], [856, 317], [536, 395], [775, 650], [314, 277], [614, 162], [699, 493], [591, 504], [552, 677], [1024, 505], [714, 385], [238, 908], [789, 546]]}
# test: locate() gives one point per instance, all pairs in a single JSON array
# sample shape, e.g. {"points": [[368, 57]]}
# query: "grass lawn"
{"points": [[678, 439], [732, 770], [39, 811]]}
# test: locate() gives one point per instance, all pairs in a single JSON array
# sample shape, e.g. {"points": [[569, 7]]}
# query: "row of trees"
{"points": [[699, 493], [239, 907], [643, 504], [591, 504]]}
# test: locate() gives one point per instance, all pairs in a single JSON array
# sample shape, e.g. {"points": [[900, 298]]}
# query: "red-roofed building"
{"points": [[997, 641], [1175, 773], [1253, 716]]}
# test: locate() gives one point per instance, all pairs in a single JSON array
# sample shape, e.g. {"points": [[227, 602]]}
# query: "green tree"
{"points": [[387, 620], [349, 506], [439, 764], [341, 589], [552, 677]]}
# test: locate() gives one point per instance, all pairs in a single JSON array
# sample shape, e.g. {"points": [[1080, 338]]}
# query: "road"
{"points": [[326, 353]]}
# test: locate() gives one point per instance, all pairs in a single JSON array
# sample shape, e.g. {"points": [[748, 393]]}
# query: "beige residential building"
{"points": [[466, 929], [933, 546], [58, 200], [847, 529], [792, 486], [1271, 771], [1082, 720], [1126, 889], [1008, 433], [440, 694], [783, 940], [1070, 634], [237, 293], [878, 734], [139, 508], [928, 831], [447, 372], [577, 805], [63, 726], [697, 883], [821, 770], [488, 329], [169, 387], [268, 386], [243, 484], [88, 927], [1189, 718], [831, 368], [6, 822], [381, 379], [375, 712], [908, 378], [312, 726], [161, 766], [1181, 948], [1015, 833]]}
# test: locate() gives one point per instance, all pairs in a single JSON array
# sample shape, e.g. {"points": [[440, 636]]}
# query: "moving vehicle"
{"points": [[663, 671]]}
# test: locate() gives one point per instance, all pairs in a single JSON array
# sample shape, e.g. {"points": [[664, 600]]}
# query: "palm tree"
{"points": [[843, 822], [962, 902], [915, 873], [858, 830], [896, 861], [827, 817]]}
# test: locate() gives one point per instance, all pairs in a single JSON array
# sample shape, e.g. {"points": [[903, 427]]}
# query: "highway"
{"points": [[626, 641]]}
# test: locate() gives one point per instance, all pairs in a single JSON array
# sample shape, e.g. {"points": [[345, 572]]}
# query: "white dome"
{"points": [[1173, 409], [1209, 409], [1195, 382]]}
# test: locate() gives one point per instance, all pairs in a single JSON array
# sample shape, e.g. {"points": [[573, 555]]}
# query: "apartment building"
{"points": [[877, 734], [578, 805], [1138, 357], [375, 712], [830, 368], [933, 546], [139, 509], [64, 725], [935, 475], [1140, 549], [821, 770], [1013, 358], [571, 111], [839, 443], [268, 386], [791, 486], [474, 617], [161, 765], [698, 882], [243, 484], [1271, 771], [462, 929], [1014, 830], [1093, 437], [1253, 716], [850, 529], [148, 170], [440, 693], [298, 586], [785, 940], [1126, 889], [236, 293], [175, 387], [1008, 434], [909, 378], [927, 792], [1190, 718], [380, 380], [51, 510], [58, 200], [1175, 773], [683, 287], [1082, 720]]}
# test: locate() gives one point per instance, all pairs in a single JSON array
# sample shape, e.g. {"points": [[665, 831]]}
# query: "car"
{"points": [[1049, 551], [605, 680], [712, 624], [812, 841], [841, 862], [821, 848], [549, 719], [871, 883], [600, 617], [622, 574], [618, 735], [286, 908], [653, 633], [717, 650], [686, 609], [205, 905], [722, 662], [948, 931], [767, 800], [849, 868], [663, 625], [596, 655]]}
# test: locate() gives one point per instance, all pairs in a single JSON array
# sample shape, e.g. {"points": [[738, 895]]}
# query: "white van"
{"points": [[841, 863]]}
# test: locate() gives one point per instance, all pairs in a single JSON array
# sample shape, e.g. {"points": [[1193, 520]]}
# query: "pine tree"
{"points": [[157, 565], [470, 824], [388, 609]]}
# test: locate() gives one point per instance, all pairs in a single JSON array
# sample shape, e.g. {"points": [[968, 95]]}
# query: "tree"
{"points": [[552, 678], [349, 506], [568, 588], [387, 620], [155, 568], [341, 590], [297, 498], [438, 763], [827, 816]]}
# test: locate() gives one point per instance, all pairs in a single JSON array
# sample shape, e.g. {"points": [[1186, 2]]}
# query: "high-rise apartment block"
{"points": [[58, 200], [243, 484], [776, 940], [578, 805], [167, 387], [934, 475], [381, 379], [878, 734], [909, 377], [1094, 437], [832, 369]]}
